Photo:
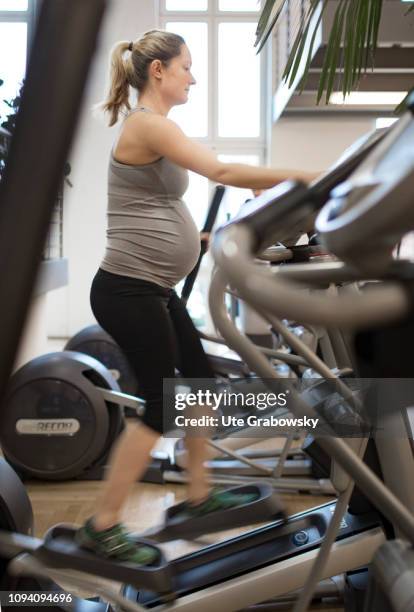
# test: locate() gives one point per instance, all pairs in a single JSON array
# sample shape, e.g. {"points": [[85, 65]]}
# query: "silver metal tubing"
{"points": [[232, 252], [312, 274], [340, 349], [321, 486], [12, 544], [278, 471], [322, 559], [375, 490], [326, 349], [123, 399], [312, 359], [286, 357], [235, 441], [253, 464]]}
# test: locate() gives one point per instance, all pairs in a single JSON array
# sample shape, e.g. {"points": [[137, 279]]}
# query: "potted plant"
{"points": [[7, 126], [351, 45]]}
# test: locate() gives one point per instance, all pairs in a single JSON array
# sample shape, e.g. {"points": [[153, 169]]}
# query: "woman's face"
{"points": [[177, 78]]}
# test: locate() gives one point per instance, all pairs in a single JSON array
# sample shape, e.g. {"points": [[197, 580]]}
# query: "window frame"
{"points": [[29, 17], [255, 145], [53, 249]]}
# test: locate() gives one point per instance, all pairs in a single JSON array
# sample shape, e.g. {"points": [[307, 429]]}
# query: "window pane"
{"points": [[239, 5], [239, 81], [196, 198], [234, 197], [13, 5], [13, 41], [186, 5], [192, 117]]}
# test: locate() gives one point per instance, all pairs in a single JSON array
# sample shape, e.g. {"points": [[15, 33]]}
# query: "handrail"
{"points": [[233, 251]]}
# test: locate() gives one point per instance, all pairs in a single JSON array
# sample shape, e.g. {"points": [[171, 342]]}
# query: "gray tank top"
{"points": [[151, 234]]}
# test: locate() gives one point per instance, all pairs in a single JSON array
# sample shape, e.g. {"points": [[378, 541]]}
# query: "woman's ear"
{"points": [[156, 68]]}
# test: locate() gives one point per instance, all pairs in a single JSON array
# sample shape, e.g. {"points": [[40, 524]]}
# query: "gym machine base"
{"points": [[282, 551]]}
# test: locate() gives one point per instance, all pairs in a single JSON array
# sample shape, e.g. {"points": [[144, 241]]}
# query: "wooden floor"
{"points": [[73, 502]]}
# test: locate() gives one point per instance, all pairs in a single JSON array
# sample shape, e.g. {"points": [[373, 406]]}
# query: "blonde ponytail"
{"points": [[118, 96], [133, 69]]}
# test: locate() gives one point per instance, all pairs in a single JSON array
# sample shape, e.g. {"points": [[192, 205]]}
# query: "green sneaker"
{"points": [[221, 499], [115, 543]]}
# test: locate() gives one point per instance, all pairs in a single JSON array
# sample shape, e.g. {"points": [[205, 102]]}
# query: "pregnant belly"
{"points": [[185, 257], [181, 242], [161, 246], [161, 261]]}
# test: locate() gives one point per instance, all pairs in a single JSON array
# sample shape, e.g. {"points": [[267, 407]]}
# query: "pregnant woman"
{"points": [[152, 243]]}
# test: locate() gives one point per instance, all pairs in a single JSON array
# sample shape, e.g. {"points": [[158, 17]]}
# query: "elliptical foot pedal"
{"points": [[61, 551], [180, 524]]}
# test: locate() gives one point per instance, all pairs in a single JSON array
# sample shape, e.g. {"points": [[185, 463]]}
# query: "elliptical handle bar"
{"points": [[233, 251], [380, 218], [294, 198], [288, 204]]}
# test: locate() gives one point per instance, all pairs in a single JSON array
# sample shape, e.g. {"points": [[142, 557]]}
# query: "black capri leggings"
{"points": [[154, 330]]}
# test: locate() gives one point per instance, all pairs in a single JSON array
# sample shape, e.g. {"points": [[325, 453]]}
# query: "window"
{"points": [[239, 5], [14, 5], [13, 51], [17, 18], [16, 28], [238, 81], [225, 110], [235, 197], [193, 116], [186, 5]]}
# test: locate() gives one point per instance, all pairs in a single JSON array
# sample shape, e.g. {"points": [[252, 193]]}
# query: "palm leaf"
{"points": [[301, 40], [332, 53], [401, 108], [265, 16], [358, 33], [350, 35], [351, 45], [363, 19], [311, 45], [264, 28]]}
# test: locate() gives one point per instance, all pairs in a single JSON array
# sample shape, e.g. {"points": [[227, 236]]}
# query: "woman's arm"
{"points": [[253, 177], [164, 138]]}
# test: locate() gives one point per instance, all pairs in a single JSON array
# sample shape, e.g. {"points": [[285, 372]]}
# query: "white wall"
{"points": [[85, 204], [314, 142]]}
